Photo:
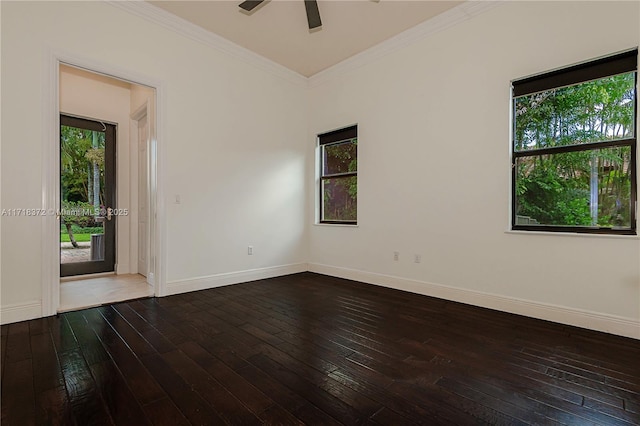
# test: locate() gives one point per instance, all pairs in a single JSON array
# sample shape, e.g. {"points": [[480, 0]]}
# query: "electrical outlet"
{"points": [[250, 250], [417, 258], [396, 256]]}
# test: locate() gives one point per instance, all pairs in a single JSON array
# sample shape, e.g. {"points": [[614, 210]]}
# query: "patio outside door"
{"points": [[87, 196]]}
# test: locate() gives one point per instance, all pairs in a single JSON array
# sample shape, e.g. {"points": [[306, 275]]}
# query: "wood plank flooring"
{"points": [[317, 350]]}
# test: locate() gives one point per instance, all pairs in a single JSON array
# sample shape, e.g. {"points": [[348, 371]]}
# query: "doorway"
{"points": [[106, 187], [87, 196]]}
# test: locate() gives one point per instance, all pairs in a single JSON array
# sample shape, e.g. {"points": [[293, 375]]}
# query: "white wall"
{"points": [[433, 148], [434, 175], [231, 145], [140, 95]]}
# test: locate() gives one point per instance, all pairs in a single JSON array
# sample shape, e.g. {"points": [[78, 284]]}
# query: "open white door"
{"points": [[143, 195]]}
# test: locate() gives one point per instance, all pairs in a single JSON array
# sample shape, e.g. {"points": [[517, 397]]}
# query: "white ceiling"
{"points": [[278, 29]]}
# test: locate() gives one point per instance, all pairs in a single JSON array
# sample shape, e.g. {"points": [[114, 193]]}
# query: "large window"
{"points": [[574, 148], [339, 176]]}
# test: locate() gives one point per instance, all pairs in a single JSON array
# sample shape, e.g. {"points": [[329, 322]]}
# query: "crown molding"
{"points": [[451, 17], [183, 27], [454, 16]]}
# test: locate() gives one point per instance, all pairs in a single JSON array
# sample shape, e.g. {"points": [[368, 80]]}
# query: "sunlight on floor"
{"points": [[79, 294]]}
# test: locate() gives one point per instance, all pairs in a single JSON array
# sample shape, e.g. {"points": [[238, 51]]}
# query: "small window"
{"points": [[574, 148], [339, 176]]}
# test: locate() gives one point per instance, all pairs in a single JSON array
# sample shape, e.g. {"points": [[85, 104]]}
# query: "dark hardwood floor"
{"points": [[317, 350]]}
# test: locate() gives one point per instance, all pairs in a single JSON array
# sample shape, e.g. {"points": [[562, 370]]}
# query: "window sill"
{"points": [[339, 225], [573, 234]]}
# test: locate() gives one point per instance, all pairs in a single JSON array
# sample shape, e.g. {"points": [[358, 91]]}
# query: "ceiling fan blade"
{"points": [[249, 5], [313, 14]]}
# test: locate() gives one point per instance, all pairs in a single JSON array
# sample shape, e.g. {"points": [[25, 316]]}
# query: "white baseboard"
{"points": [[621, 326], [628, 327], [218, 280], [20, 312], [123, 268]]}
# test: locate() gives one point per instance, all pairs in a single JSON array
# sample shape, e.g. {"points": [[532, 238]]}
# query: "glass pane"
{"points": [[586, 188], [593, 111], [340, 157], [82, 195], [339, 199]]}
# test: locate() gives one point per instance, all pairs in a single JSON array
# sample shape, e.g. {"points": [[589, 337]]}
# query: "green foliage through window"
{"points": [[339, 179], [573, 155], [82, 185]]}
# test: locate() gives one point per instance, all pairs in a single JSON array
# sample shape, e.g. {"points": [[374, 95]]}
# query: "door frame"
{"points": [[144, 111], [50, 250], [108, 263]]}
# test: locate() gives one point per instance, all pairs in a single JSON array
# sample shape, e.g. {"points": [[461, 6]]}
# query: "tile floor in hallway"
{"points": [[84, 293]]}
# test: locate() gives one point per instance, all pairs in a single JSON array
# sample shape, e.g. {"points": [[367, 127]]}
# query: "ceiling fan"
{"points": [[313, 14]]}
